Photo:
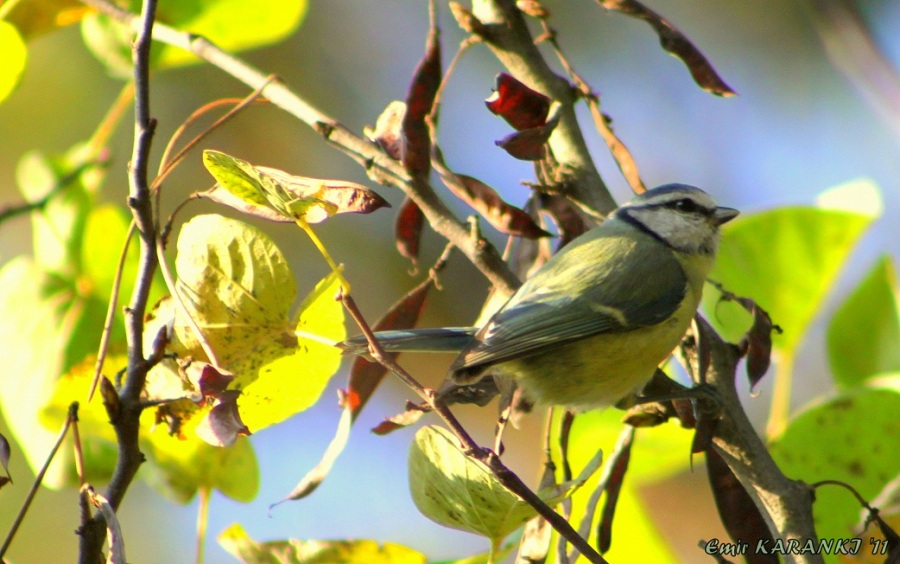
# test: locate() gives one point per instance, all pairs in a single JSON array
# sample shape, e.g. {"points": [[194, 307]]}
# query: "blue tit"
{"points": [[590, 327]]}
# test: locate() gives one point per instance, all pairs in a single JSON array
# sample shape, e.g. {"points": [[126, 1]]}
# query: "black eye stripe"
{"points": [[687, 205]]}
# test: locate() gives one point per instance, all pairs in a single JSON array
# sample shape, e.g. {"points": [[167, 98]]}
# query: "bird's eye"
{"points": [[685, 205]]}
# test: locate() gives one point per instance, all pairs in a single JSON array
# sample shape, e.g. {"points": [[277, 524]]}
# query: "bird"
{"points": [[590, 327]]}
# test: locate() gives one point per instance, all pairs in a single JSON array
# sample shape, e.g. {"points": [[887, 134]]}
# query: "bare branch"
{"points": [[785, 504], [380, 167]]}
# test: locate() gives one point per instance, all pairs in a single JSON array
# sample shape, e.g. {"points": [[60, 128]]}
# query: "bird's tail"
{"points": [[445, 339]]}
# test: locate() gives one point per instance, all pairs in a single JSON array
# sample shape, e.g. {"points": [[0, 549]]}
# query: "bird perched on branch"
{"points": [[590, 326]]}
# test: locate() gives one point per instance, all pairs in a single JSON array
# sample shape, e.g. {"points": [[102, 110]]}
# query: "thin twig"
{"points": [[379, 165], [506, 476], [72, 417], [110, 312], [127, 425]]}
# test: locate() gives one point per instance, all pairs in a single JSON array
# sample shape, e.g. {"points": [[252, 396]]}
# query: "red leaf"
{"points": [[365, 376], [416, 155], [408, 229], [207, 379], [520, 106], [528, 144]]}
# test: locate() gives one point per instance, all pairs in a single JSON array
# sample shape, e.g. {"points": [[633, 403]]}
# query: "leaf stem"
{"points": [[337, 269]]}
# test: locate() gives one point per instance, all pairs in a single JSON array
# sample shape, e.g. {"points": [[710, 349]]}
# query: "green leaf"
{"points": [[851, 437], [177, 464], [456, 491], [864, 334], [233, 25], [14, 54], [239, 177], [786, 259], [35, 17], [239, 289], [238, 543]]}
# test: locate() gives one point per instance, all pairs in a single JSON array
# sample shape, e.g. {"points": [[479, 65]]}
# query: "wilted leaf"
{"points": [[675, 43], [275, 195], [521, 107], [416, 154], [237, 543], [178, 464], [408, 229], [222, 425], [388, 130], [486, 201], [114, 538], [343, 197], [533, 8], [411, 416], [738, 513], [317, 475], [528, 144], [239, 289]]}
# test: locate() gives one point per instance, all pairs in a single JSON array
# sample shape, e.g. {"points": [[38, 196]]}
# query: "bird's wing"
{"points": [[623, 291]]}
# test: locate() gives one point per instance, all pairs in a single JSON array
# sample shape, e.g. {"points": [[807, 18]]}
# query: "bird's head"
{"points": [[685, 218]]}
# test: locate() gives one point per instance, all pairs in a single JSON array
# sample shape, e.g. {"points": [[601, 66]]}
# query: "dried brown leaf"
{"points": [[416, 154], [675, 42], [564, 213], [486, 201], [528, 144], [411, 415], [739, 514], [619, 466], [338, 197]]}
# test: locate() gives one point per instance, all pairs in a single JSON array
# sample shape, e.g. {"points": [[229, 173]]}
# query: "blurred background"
{"points": [[815, 109]]}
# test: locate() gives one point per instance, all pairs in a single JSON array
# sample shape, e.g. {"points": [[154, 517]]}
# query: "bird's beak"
{"points": [[724, 215]]}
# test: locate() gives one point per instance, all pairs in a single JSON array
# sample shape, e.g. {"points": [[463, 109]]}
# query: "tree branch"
{"points": [[785, 504], [127, 424], [379, 166]]}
